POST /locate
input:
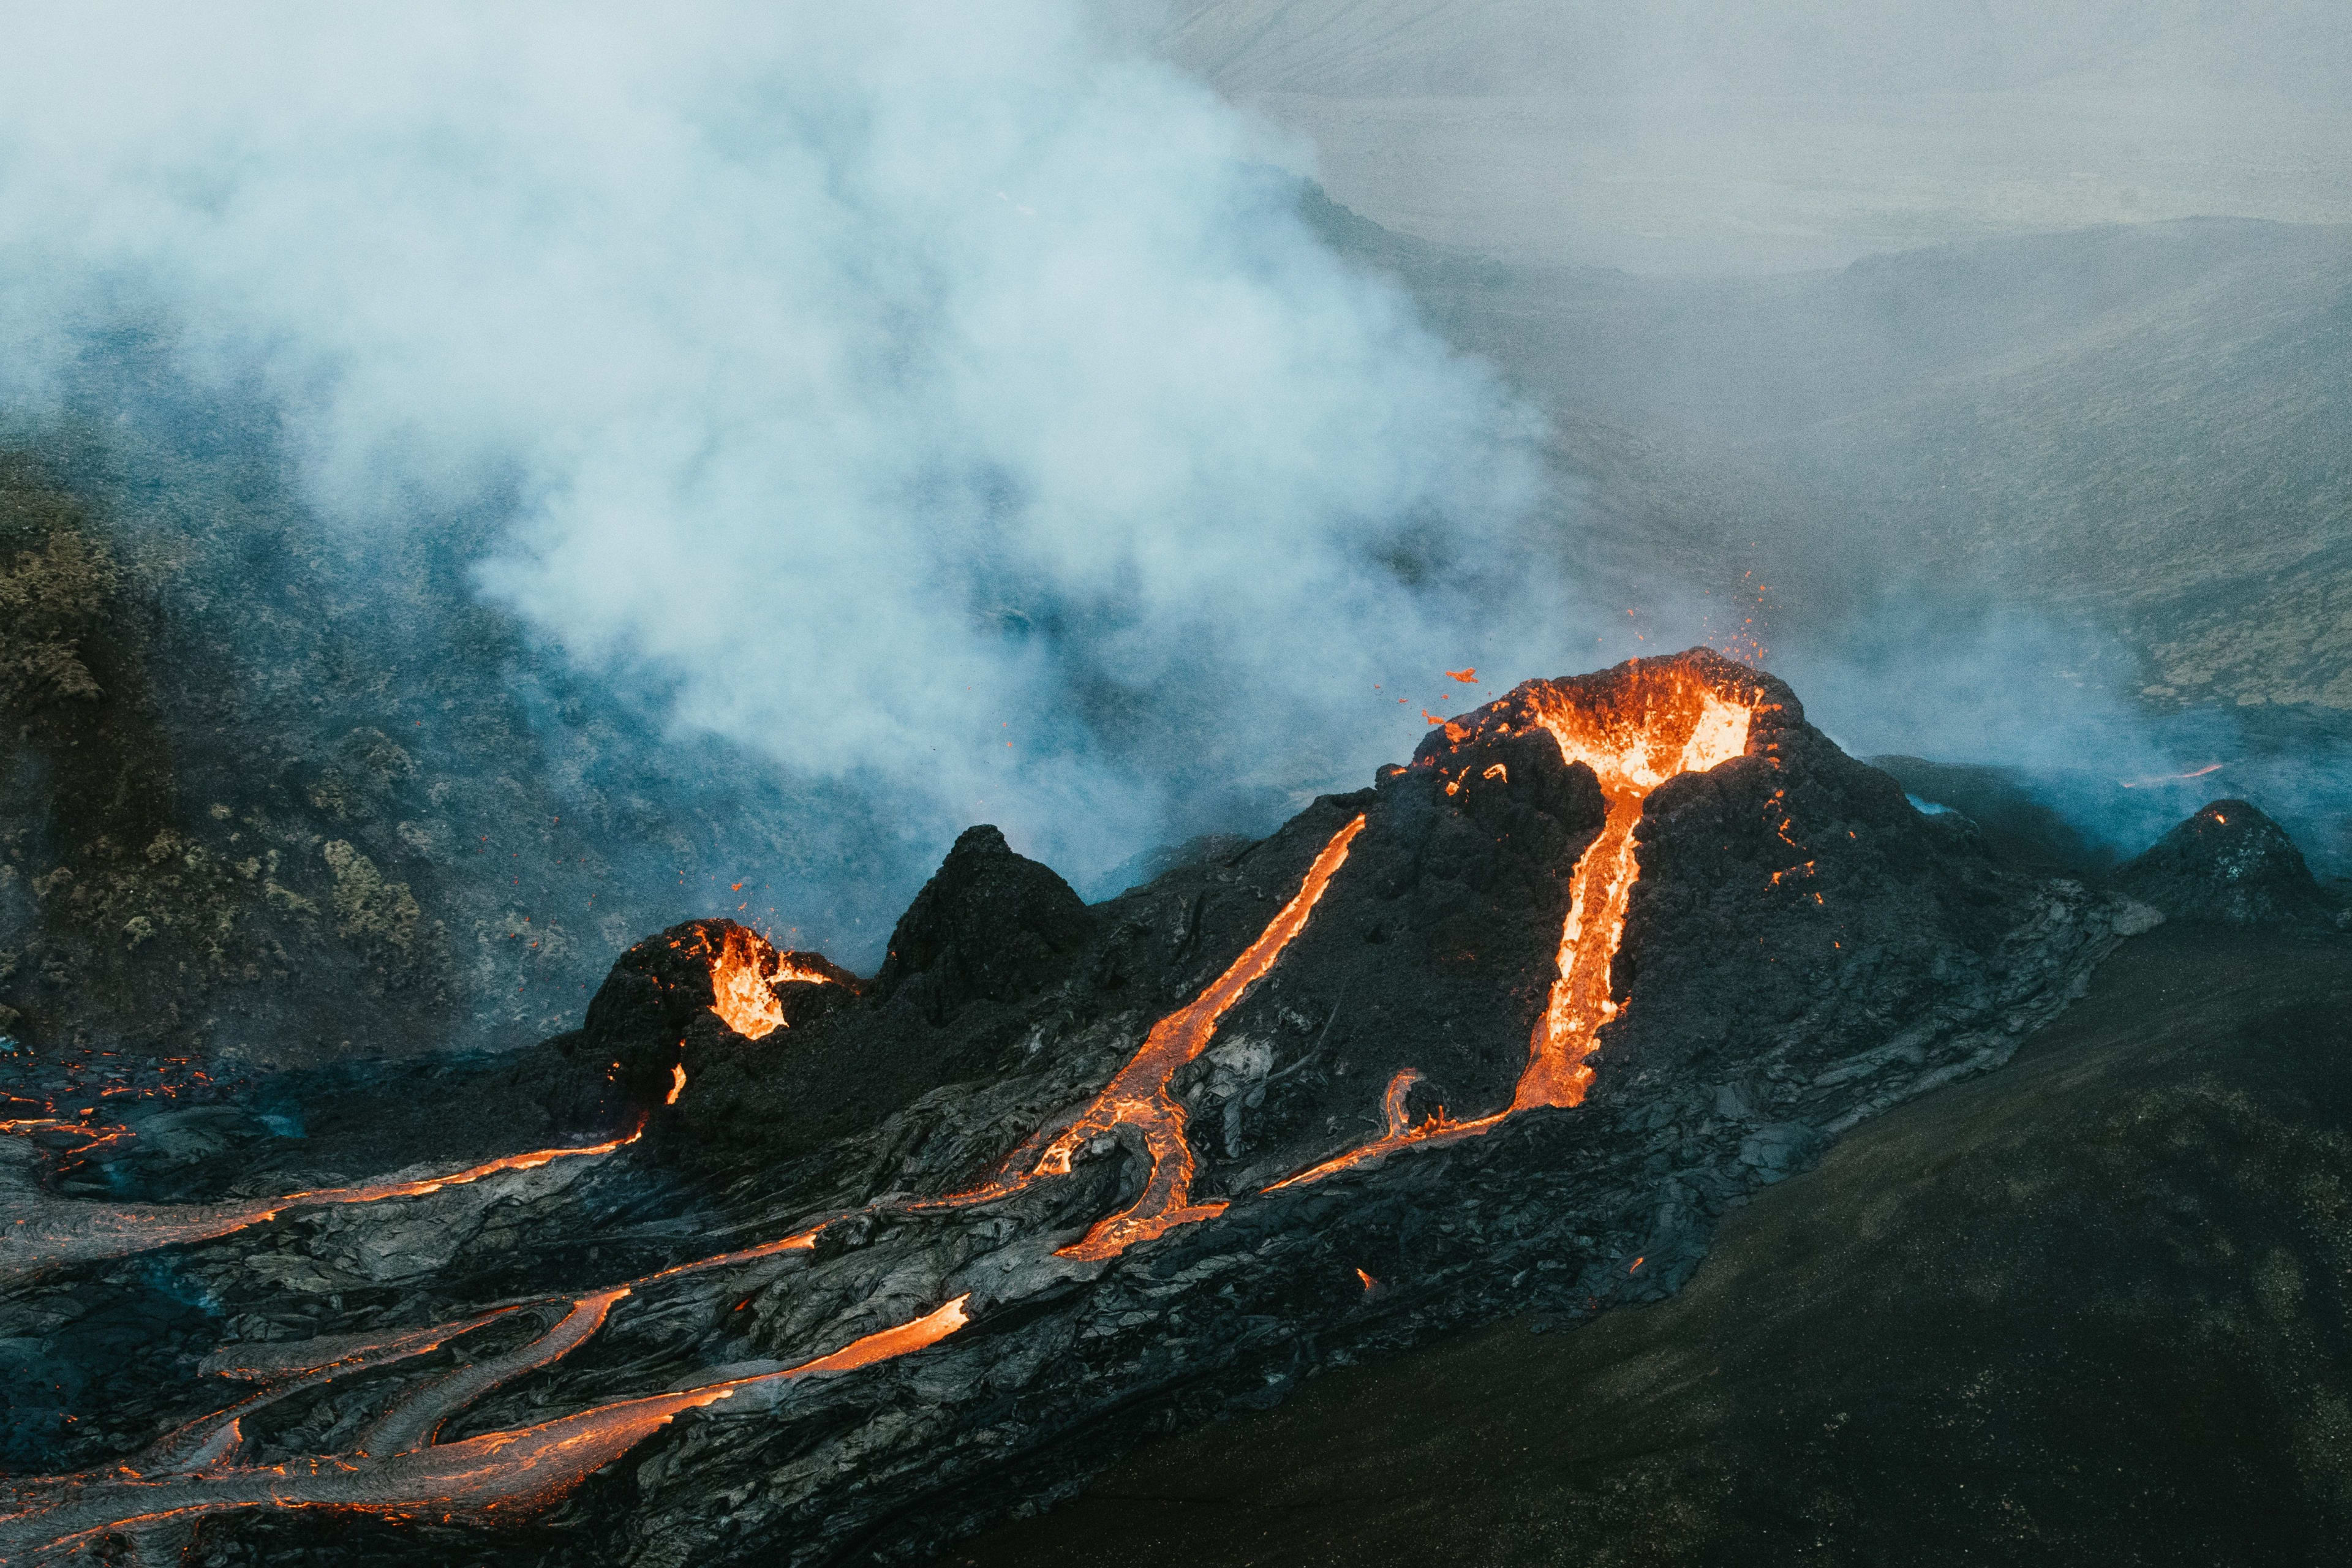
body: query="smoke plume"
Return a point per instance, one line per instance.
(945, 400)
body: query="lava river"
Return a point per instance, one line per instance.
(1634, 728)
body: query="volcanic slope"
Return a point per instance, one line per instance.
(1131, 1166)
(2093, 1309)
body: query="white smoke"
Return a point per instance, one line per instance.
(942, 395)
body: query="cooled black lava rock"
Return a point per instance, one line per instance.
(1802, 949)
(655, 1011)
(2231, 864)
(1431, 952)
(990, 925)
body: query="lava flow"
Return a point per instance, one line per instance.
(56, 1234)
(414, 1420)
(1635, 727)
(60, 1101)
(494, 1477)
(1653, 725)
(1138, 1096)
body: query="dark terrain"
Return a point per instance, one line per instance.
(2093, 1309)
(310, 865)
(1805, 950)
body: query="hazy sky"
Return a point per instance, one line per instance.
(1709, 136)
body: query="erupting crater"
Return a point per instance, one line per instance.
(1634, 727)
(1540, 896)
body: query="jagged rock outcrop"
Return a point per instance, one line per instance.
(2231, 864)
(991, 926)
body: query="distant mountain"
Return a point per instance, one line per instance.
(2148, 427)
(1693, 137)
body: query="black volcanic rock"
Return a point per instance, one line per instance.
(2231, 864)
(990, 925)
(2018, 827)
(1433, 951)
(1794, 908)
(2083, 1311)
(1801, 950)
(654, 1009)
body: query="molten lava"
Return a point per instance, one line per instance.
(1137, 1096)
(741, 992)
(1635, 728)
(496, 1476)
(1669, 722)
(744, 980)
(58, 1234)
(414, 1420)
(61, 1100)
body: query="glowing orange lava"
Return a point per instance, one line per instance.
(414, 1420)
(1635, 727)
(1674, 724)
(2170, 778)
(499, 1475)
(744, 977)
(1138, 1096)
(676, 1084)
(59, 1233)
(741, 992)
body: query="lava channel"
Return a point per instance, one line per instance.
(60, 1232)
(1138, 1095)
(496, 1477)
(1635, 727)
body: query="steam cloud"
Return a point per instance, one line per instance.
(942, 399)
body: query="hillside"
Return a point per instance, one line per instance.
(2143, 430)
(1710, 139)
(2090, 1308)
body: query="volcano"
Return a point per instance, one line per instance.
(808, 1268)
